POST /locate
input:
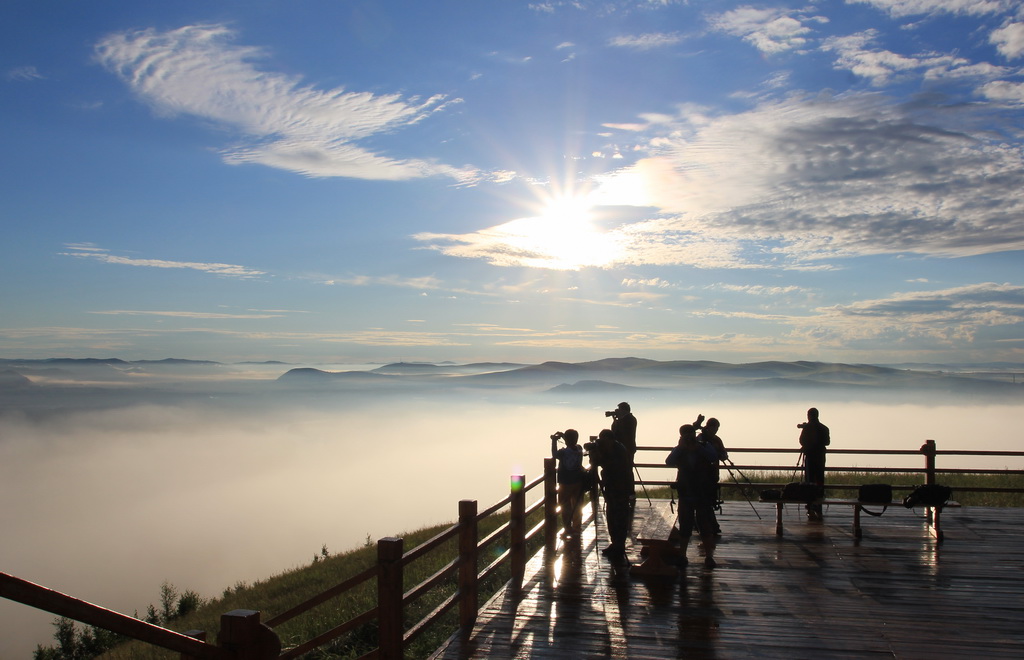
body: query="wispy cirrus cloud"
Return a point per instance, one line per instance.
(23, 73)
(759, 289)
(922, 320)
(185, 314)
(90, 251)
(941, 319)
(937, 319)
(197, 70)
(900, 8)
(648, 41)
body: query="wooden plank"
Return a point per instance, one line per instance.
(655, 535)
(819, 592)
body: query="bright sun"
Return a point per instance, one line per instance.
(563, 236)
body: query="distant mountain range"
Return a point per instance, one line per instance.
(560, 378)
(640, 373)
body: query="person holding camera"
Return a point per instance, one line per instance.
(814, 438)
(617, 487)
(695, 465)
(709, 436)
(570, 480)
(624, 428)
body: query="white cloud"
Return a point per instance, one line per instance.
(759, 289)
(87, 251)
(795, 184)
(648, 41)
(1002, 90)
(770, 30)
(900, 8)
(24, 73)
(195, 70)
(1009, 40)
(656, 282)
(802, 179)
(855, 54)
(947, 317)
(185, 315)
(523, 242)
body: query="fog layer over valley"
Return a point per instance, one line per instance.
(117, 477)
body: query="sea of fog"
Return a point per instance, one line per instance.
(107, 502)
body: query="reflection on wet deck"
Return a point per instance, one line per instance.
(816, 592)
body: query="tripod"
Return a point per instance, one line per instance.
(730, 466)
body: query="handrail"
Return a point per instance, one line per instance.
(431, 582)
(323, 597)
(55, 602)
(330, 635)
(930, 471)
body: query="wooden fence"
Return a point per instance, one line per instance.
(243, 636)
(930, 472)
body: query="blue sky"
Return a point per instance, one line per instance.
(331, 181)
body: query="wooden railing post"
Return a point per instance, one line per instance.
(550, 505)
(929, 450)
(389, 598)
(194, 634)
(595, 488)
(468, 599)
(517, 529)
(242, 634)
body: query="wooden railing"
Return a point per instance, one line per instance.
(392, 601)
(243, 635)
(930, 472)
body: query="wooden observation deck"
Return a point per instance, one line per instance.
(815, 592)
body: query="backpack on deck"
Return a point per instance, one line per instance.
(928, 495)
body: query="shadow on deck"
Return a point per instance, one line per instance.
(816, 592)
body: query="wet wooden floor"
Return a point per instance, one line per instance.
(815, 592)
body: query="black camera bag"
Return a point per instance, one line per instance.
(802, 492)
(875, 494)
(771, 495)
(928, 495)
